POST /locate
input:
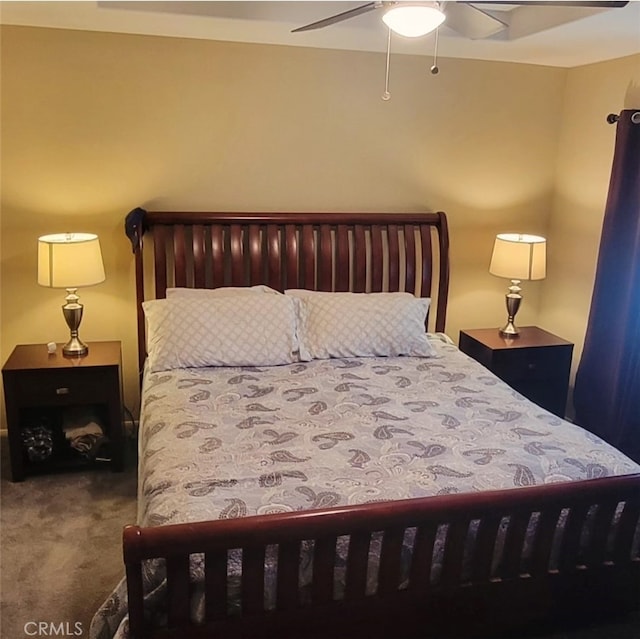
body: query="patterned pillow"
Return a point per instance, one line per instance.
(360, 324)
(244, 330)
(222, 291)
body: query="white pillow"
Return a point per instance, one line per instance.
(244, 330)
(360, 324)
(222, 291)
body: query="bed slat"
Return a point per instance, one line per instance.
(273, 251)
(390, 556)
(291, 247)
(394, 257)
(410, 252)
(215, 584)
(308, 258)
(454, 552)
(237, 257)
(324, 552)
(179, 256)
(325, 259)
(483, 550)
(360, 259)
(357, 562)
(422, 558)
(600, 532)
(342, 258)
(199, 256)
(443, 275)
(570, 543)
(287, 584)
(178, 590)
(131, 539)
(252, 580)
(627, 526)
(376, 258)
(160, 254)
(514, 544)
(545, 531)
(427, 262)
(217, 256)
(255, 255)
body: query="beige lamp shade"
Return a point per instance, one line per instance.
(69, 260)
(518, 256)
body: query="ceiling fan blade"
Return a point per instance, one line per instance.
(595, 4)
(472, 22)
(339, 17)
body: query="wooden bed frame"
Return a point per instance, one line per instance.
(584, 558)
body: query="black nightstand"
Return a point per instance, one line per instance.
(39, 387)
(536, 363)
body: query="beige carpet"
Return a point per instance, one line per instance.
(61, 553)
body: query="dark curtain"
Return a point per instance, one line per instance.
(607, 387)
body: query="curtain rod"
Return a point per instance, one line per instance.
(612, 118)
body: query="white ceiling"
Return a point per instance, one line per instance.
(553, 36)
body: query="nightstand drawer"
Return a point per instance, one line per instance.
(80, 386)
(537, 364)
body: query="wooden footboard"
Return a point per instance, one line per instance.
(476, 562)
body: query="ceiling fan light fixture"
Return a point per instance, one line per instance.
(413, 19)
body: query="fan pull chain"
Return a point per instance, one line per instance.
(386, 95)
(434, 68)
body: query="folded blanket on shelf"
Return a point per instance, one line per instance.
(83, 431)
(85, 439)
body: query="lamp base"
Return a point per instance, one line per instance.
(75, 348)
(72, 312)
(510, 330)
(513, 300)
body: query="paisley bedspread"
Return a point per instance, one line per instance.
(230, 442)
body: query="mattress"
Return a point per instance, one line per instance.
(219, 443)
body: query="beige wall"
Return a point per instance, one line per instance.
(94, 124)
(585, 155)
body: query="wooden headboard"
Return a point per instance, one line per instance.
(359, 252)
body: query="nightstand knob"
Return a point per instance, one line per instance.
(531, 366)
(62, 391)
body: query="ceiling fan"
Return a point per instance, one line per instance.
(474, 20)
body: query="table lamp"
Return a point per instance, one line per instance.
(517, 257)
(70, 260)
